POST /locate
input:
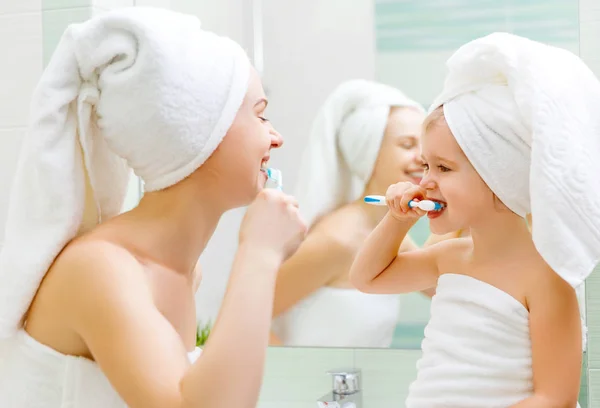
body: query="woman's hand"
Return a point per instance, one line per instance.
(273, 224)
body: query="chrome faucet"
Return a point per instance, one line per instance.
(346, 390)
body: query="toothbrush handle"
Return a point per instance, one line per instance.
(376, 200)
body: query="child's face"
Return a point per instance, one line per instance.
(450, 178)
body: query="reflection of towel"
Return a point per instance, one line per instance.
(344, 144)
(526, 116)
(138, 87)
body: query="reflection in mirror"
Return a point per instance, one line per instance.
(364, 135)
(364, 138)
(359, 137)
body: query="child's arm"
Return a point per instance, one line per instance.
(379, 266)
(555, 327)
(436, 239)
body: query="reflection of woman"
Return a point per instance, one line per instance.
(365, 138)
(114, 315)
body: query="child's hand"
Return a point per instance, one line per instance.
(397, 198)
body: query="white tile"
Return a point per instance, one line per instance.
(10, 144)
(21, 67)
(589, 39)
(55, 23)
(594, 65)
(588, 10)
(590, 15)
(112, 4)
(154, 3)
(20, 6)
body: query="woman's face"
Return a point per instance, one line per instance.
(246, 147)
(399, 155)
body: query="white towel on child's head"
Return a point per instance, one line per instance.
(138, 87)
(344, 144)
(527, 117)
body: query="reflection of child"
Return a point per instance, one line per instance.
(505, 329)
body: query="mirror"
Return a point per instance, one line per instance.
(305, 51)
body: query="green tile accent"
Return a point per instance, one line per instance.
(294, 374)
(594, 382)
(583, 388)
(592, 291)
(408, 336)
(439, 25)
(386, 374)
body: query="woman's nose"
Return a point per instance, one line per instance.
(276, 138)
(417, 158)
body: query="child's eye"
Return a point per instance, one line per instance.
(263, 119)
(443, 169)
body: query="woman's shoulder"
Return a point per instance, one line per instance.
(85, 269)
(94, 249)
(345, 227)
(89, 265)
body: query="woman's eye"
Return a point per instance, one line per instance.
(263, 119)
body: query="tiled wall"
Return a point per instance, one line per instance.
(589, 39)
(593, 322)
(297, 377)
(58, 14)
(21, 50)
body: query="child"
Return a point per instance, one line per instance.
(505, 139)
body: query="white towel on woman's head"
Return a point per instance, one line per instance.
(344, 144)
(138, 87)
(527, 116)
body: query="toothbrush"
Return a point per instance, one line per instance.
(425, 205)
(275, 177)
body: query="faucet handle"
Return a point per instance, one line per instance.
(345, 382)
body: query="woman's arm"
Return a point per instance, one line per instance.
(111, 306)
(320, 259)
(555, 327)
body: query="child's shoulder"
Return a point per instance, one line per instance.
(451, 254)
(454, 247)
(543, 282)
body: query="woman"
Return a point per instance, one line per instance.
(113, 315)
(365, 138)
